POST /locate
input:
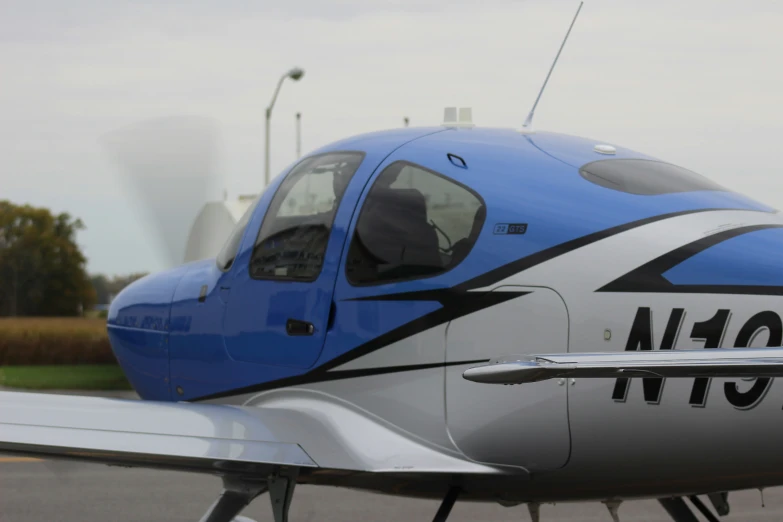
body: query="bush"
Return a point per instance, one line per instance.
(51, 341)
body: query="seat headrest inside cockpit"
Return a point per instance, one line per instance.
(395, 230)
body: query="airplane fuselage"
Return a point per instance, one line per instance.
(541, 245)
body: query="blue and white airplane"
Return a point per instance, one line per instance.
(357, 326)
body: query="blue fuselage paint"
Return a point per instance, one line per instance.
(234, 338)
(753, 259)
(138, 324)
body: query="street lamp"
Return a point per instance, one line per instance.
(295, 74)
(298, 135)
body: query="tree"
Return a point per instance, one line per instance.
(118, 282)
(106, 289)
(101, 286)
(42, 269)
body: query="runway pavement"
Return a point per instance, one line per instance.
(32, 491)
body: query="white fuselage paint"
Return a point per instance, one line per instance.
(572, 431)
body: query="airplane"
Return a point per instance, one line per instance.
(457, 313)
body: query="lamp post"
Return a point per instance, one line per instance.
(298, 135)
(295, 74)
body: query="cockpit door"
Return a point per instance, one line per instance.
(525, 425)
(281, 295)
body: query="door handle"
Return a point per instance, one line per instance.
(296, 327)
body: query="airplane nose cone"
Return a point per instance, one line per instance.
(138, 326)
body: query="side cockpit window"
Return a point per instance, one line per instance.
(414, 223)
(644, 177)
(229, 251)
(293, 237)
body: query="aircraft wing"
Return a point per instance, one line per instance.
(302, 431)
(719, 362)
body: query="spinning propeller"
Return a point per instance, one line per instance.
(170, 166)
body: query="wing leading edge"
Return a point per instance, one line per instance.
(140, 433)
(718, 362)
(296, 429)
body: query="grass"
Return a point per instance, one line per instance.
(58, 353)
(65, 377)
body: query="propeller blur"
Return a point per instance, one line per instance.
(170, 167)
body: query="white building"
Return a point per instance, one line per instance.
(212, 226)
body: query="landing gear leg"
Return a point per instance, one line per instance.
(535, 511)
(678, 509)
(720, 501)
(236, 495)
(447, 504)
(281, 491)
(613, 506)
(696, 501)
(680, 512)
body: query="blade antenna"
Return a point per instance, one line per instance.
(529, 119)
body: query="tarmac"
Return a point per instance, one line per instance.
(32, 490)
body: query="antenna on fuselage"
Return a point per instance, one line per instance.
(529, 119)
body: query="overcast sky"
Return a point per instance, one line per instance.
(697, 83)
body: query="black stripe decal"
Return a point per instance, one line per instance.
(458, 306)
(313, 377)
(649, 277)
(457, 301)
(455, 305)
(502, 272)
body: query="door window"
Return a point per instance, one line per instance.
(414, 223)
(293, 237)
